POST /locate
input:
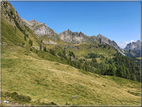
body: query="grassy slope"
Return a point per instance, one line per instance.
(84, 50)
(25, 73)
(16, 38)
(54, 82)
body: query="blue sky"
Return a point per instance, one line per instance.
(118, 21)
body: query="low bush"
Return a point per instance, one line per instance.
(18, 98)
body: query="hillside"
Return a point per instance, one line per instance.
(40, 68)
(47, 81)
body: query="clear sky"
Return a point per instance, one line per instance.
(118, 21)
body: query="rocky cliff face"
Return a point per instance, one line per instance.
(11, 15)
(134, 45)
(40, 29)
(73, 37)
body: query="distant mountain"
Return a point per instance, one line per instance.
(133, 49)
(77, 38)
(73, 37)
(104, 40)
(134, 45)
(40, 29)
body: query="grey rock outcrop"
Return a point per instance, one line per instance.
(93, 39)
(73, 37)
(40, 29)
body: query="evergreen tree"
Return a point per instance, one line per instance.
(25, 38)
(30, 42)
(114, 69)
(40, 47)
(45, 49)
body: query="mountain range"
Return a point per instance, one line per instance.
(41, 29)
(68, 36)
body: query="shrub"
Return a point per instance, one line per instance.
(25, 38)
(18, 98)
(52, 52)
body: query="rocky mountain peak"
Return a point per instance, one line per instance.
(101, 37)
(103, 40)
(67, 32)
(81, 34)
(134, 45)
(40, 29)
(34, 20)
(72, 37)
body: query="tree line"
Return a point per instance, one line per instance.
(119, 65)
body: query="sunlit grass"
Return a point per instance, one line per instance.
(49, 81)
